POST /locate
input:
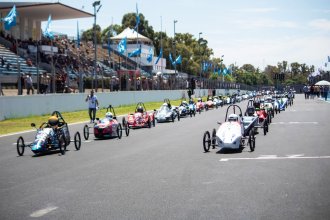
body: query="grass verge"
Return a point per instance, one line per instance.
(22, 124)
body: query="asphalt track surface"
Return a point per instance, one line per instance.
(163, 173)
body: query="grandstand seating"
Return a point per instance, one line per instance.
(12, 59)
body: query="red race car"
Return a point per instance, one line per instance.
(107, 127)
(141, 118)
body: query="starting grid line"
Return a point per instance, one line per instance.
(274, 157)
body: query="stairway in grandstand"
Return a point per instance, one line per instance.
(10, 75)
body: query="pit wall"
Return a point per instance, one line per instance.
(23, 106)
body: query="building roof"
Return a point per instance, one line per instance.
(41, 10)
(128, 32)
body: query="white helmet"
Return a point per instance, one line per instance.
(233, 117)
(108, 115)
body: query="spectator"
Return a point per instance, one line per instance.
(44, 81)
(305, 89)
(326, 90)
(29, 84)
(92, 105)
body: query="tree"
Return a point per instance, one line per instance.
(129, 20)
(89, 34)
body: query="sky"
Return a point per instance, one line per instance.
(257, 32)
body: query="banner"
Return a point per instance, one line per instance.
(122, 45)
(160, 55)
(48, 32)
(10, 19)
(136, 52)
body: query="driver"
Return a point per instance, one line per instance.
(140, 109)
(53, 122)
(233, 118)
(109, 116)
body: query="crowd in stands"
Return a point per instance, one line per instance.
(71, 62)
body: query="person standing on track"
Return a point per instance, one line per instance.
(92, 105)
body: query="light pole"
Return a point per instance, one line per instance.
(96, 3)
(199, 50)
(174, 42)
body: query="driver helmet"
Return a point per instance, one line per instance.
(250, 110)
(53, 121)
(199, 99)
(233, 117)
(184, 102)
(140, 109)
(108, 115)
(256, 104)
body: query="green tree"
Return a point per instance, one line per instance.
(89, 34)
(129, 20)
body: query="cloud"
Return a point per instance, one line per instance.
(321, 24)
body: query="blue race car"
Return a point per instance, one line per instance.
(51, 135)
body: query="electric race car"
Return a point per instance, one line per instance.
(140, 118)
(166, 112)
(200, 105)
(108, 127)
(51, 135)
(235, 132)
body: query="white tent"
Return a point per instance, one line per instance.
(131, 36)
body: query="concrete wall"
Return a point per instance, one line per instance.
(22, 106)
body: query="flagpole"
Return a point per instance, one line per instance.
(53, 70)
(161, 42)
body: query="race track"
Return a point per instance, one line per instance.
(163, 173)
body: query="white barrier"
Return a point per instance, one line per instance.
(22, 106)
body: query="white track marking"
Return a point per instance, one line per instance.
(42, 212)
(295, 123)
(274, 157)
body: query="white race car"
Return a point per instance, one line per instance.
(233, 133)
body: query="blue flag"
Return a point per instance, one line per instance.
(136, 52)
(10, 19)
(122, 45)
(171, 59)
(178, 60)
(225, 71)
(149, 57)
(160, 55)
(78, 37)
(137, 18)
(48, 32)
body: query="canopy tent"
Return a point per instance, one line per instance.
(131, 36)
(322, 83)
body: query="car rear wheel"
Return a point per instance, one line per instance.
(206, 141)
(20, 146)
(126, 127)
(119, 131)
(252, 140)
(265, 127)
(86, 132)
(77, 141)
(62, 145)
(214, 135)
